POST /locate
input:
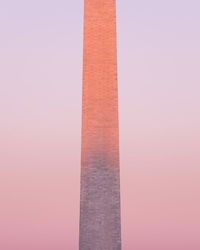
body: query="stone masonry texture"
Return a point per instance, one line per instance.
(100, 226)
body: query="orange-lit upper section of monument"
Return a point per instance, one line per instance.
(100, 94)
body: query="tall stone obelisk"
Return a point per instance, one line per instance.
(100, 227)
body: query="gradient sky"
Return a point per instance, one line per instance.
(40, 123)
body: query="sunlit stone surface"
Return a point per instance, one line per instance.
(100, 227)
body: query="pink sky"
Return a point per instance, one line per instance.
(40, 124)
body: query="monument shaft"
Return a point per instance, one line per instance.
(100, 227)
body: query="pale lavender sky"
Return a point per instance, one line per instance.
(40, 106)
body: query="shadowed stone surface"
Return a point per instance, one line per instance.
(100, 227)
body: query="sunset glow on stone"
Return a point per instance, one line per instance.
(100, 186)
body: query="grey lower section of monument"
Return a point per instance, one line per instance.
(100, 227)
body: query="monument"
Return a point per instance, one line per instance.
(100, 223)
